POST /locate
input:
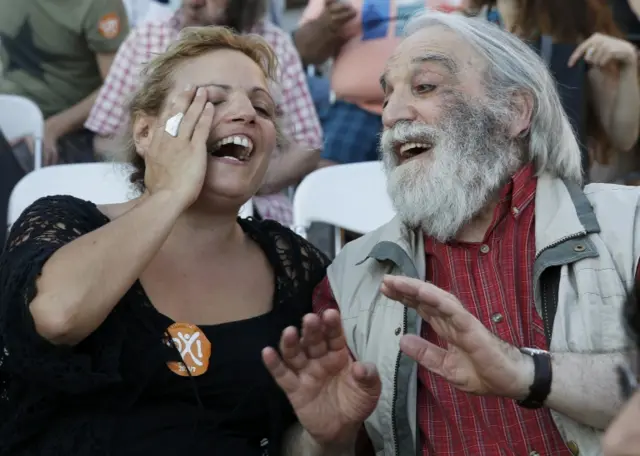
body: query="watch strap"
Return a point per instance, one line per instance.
(542, 378)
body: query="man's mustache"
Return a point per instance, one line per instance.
(404, 132)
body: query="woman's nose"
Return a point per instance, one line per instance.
(242, 110)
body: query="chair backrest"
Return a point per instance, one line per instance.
(101, 183)
(20, 116)
(353, 197)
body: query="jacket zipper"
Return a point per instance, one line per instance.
(395, 388)
(544, 292)
(545, 315)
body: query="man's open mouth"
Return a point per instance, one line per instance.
(413, 149)
(236, 147)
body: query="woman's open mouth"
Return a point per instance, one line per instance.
(237, 148)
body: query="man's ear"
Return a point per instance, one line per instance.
(522, 108)
(143, 131)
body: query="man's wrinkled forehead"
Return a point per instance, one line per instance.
(436, 47)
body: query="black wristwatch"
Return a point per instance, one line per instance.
(541, 386)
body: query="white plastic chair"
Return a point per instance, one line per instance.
(352, 197)
(101, 183)
(19, 117)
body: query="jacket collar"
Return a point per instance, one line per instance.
(562, 212)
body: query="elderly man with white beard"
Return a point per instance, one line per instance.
(484, 319)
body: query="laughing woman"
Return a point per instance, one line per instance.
(136, 328)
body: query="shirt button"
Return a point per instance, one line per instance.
(398, 330)
(484, 248)
(497, 317)
(534, 453)
(515, 210)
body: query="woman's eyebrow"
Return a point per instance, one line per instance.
(228, 88)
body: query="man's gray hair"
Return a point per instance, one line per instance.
(512, 66)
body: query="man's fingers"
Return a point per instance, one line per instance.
(424, 353)
(283, 376)
(398, 286)
(313, 339)
(334, 334)
(423, 296)
(290, 348)
(412, 292)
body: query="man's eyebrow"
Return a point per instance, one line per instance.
(441, 59)
(430, 57)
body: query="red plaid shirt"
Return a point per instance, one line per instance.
(109, 113)
(494, 281)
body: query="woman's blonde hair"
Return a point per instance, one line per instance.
(157, 77)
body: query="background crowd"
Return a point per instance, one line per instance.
(80, 65)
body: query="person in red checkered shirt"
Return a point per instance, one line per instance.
(301, 125)
(484, 319)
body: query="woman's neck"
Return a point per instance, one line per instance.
(203, 232)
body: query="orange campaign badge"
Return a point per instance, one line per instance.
(109, 25)
(194, 348)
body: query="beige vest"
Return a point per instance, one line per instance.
(593, 236)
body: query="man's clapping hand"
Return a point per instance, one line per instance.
(330, 393)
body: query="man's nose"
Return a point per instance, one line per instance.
(397, 108)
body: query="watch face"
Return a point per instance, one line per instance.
(534, 351)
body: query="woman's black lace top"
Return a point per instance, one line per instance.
(58, 400)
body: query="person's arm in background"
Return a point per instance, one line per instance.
(108, 115)
(302, 127)
(319, 37)
(105, 27)
(613, 81)
(635, 7)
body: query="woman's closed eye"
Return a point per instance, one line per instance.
(264, 110)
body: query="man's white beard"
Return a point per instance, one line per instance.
(471, 159)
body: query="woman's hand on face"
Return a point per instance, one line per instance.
(179, 164)
(599, 50)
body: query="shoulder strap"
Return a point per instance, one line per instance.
(549, 282)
